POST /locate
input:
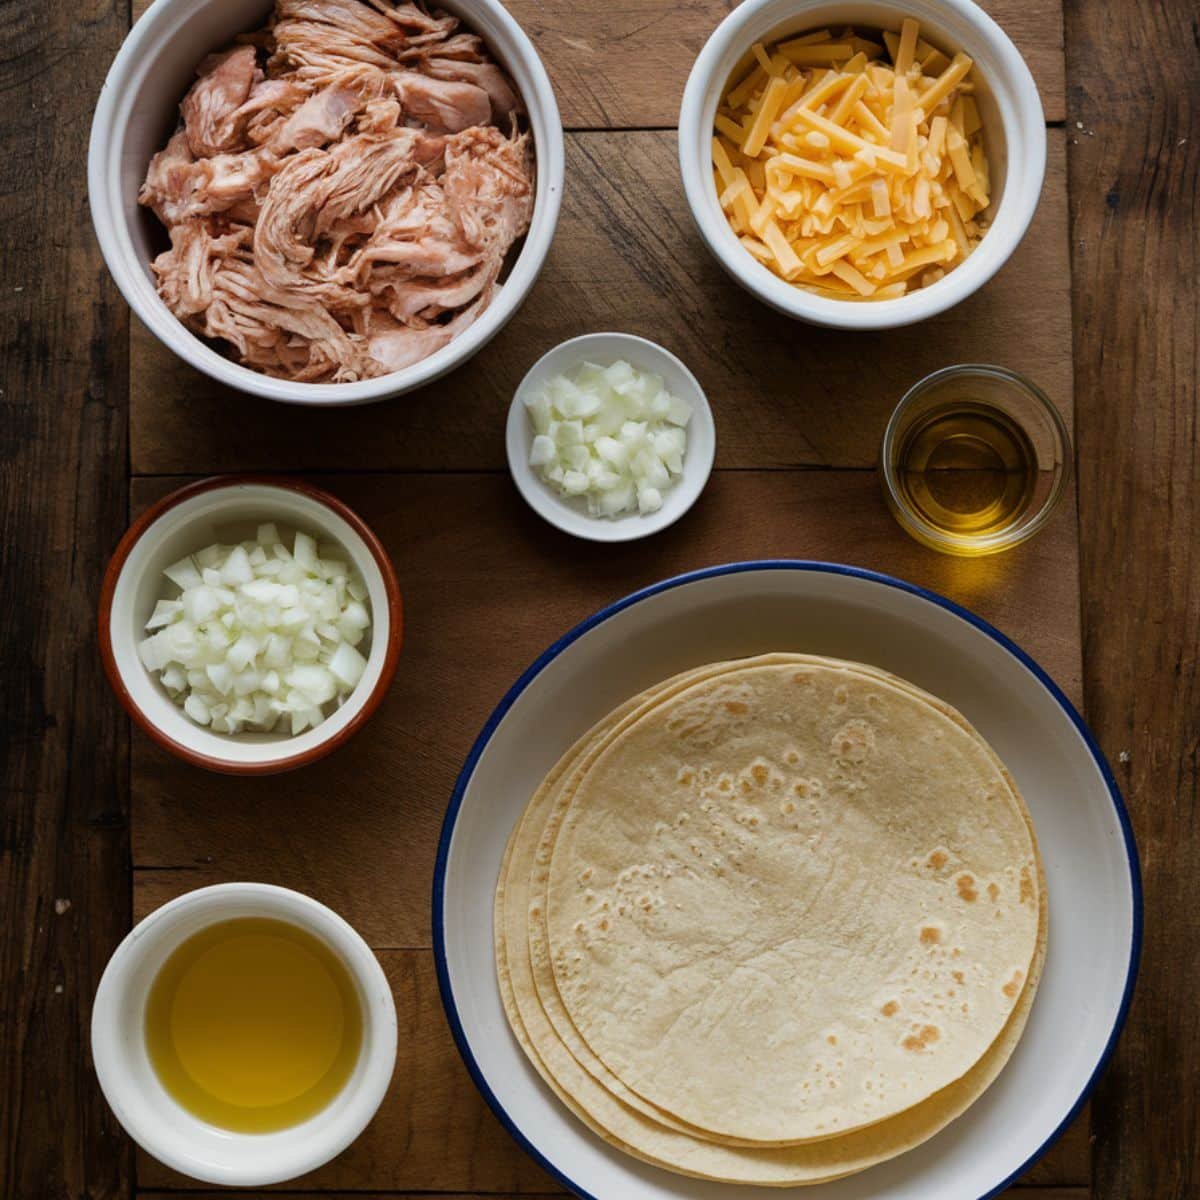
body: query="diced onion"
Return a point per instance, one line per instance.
(613, 435)
(260, 637)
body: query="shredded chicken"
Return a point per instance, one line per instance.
(344, 190)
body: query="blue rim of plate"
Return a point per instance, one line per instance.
(781, 564)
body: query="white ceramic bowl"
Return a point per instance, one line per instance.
(1014, 132)
(138, 109)
(740, 609)
(569, 513)
(227, 509)
(166, 1130)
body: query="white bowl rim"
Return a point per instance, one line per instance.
(958, 284)
(111, 233)
(548, 505)
(378, 1004)
(552, 652)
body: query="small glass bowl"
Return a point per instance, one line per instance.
(1006, 399)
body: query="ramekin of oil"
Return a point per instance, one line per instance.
(974, 460)
(244, 1034)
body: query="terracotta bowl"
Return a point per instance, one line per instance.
(227, 508)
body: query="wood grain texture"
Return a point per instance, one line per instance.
(64, 852)
(435, 1133)
(471, 558)
(1135, 179)
(627, 256)
(625, 65)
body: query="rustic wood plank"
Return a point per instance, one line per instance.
(434, 1131)
(624, 66)
(368, 851)
(627, 256)
(64, 850)
(1135, 179)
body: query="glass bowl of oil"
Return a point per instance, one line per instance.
(975, 459)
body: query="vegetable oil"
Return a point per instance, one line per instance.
(253, 1025)
(968, 469)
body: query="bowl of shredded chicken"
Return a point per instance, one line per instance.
(354, 196)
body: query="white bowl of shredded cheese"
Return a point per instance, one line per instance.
(1013, 130)
(610, 437)
(239, 690)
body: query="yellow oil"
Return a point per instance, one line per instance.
(967, 469)
(253, 1025)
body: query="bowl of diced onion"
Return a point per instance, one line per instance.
(796, 238)
(610, 437)
(250, 624)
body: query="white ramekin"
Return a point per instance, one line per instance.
(224, 508)
(161, 1126)
(139, 107)
(1014, 129)
(569, 513)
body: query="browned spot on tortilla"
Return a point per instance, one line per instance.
(923, 1037)
(930, 935)
(759, 773)
(993, 892)
(959, 977)
(832, 1040)
(800, 787)
(890, 1009)
(1013, 986)
(966, 888)
(938, 859)
(685, 777)
(1027, 896)
(735, 706)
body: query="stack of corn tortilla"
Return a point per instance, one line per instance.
(772, 921)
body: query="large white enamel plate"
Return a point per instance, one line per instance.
(748, 608)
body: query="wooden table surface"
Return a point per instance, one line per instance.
(99, 827)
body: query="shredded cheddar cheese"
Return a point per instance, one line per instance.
(853, 169)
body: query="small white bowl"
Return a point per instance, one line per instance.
(169, 1132)
(1014, 131)
(139, 107)
(227, 508)
(569, 513)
